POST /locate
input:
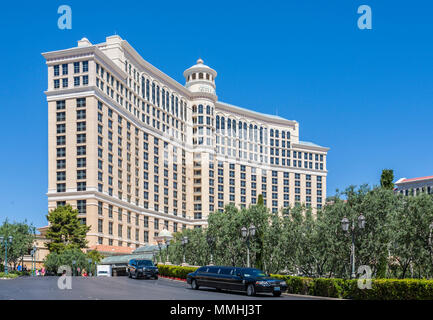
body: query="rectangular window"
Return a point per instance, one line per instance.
(81, 102)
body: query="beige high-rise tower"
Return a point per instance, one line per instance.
(135, 151)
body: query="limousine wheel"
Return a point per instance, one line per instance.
(251, 290)
(194, 285)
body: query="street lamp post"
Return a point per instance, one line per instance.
(167, 242)
(5, 241)
(184, 243)
(247, 233)
(160, 254)
(211, 242)
(73, 266)
(33, 253)
(345, 226)
(90, 266)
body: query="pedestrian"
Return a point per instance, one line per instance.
(43, 271)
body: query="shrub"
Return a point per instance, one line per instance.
(381, 289)
(10, 275)
(175, 271)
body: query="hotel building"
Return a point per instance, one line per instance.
(414, 186)
(136, 152)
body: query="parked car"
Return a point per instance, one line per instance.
(103, 270)
(248, 280)
(142, 269)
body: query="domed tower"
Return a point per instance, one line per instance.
(200, 80)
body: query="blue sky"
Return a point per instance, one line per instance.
(366, 94)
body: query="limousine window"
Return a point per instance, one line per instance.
(226, 271)
(254, 273)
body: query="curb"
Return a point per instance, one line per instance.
(173, 278)
(285, 294)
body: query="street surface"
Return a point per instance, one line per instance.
(118, 288)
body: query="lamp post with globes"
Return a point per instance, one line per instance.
(5, 241)
(247, 234)
(184, 242)
(211, 241)
(345, 226)
(167, 243)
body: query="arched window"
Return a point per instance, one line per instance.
(255, 133)
(240, 129)
(194, 108)
(147, 89)
(163, 98)
(272, 132)
(251, 132)
(193, 76)
(277, 133)
(208, 109)
(234, 128)
(217, 122)
(200, 108)
(200, 75)
(261, 134)
(207, 76)
(283, 134)
(167, 101)
(223, 124)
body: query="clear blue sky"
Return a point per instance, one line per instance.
(366, 94)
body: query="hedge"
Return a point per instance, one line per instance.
(10, 275)
(381, 289)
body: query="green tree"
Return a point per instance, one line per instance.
(54, 260)
(386, 179)
(22, 239)
(65, 231)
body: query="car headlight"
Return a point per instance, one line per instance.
(262, 283)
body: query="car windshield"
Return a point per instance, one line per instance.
(144, 263)
(254, 273)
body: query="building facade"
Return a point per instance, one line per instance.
(135, 151)
(414, 186)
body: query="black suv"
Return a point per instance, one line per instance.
(142, 269)
(248, 280)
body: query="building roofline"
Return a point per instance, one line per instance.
(405, 180)
(255, 114)
(309, 146)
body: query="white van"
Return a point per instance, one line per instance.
(103, 270)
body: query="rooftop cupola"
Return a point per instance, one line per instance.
(200, 78)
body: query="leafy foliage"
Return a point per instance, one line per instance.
(395, 243)
(66, 230)
(22, 240)
(386, 179)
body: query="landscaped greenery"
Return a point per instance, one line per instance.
(394, 244)
(381, 289)
(22, 239)
(67, 239)
(9, 275)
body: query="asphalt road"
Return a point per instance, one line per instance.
(117, 288)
